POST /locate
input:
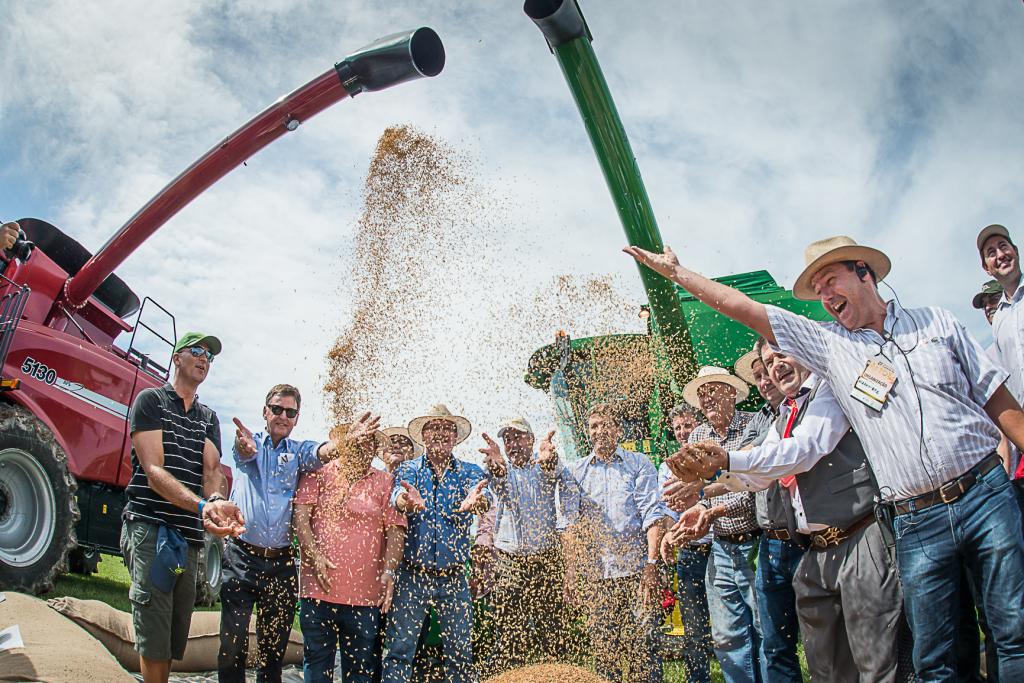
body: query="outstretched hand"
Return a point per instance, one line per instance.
(492, 457)
(664, 264)
(223, 518)
(362, 428)
(476, 501)
(9, 234)
(244, 443)
(547, 456)
(410, 500)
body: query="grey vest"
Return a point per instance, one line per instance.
(840, 489)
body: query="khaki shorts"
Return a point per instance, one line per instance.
(161, 619)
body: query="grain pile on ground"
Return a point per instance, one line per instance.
(547, 673)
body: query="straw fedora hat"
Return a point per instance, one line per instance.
(417, 448)
(338, 433)
(825, 252)
(439, 412)
(744, 367)
(709, 374)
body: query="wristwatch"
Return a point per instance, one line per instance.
(214, 498)
(651, 562)
(389, 572)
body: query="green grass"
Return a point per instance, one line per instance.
(109, 585)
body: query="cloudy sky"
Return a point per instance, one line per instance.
(758, 127)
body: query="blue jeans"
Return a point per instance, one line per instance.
(735, 624)
(325, 626)
(691, 568)
(414, 592)
(980, 532)
(776, 565)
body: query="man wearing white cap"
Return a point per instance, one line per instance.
(923, 396)
(440, 493)
(528, 561)
(735, 622)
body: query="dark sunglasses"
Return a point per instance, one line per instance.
(199, 352)
(277, 410)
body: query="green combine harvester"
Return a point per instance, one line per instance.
(643, 374)
(632, 370)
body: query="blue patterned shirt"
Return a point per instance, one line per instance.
(438, 537)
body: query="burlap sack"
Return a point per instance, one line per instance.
(56, 649)
(114, 629)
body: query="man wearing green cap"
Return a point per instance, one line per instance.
(988, 299)
(175, 492)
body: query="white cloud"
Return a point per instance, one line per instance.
(758, 128)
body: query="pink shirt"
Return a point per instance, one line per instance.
(348, 523)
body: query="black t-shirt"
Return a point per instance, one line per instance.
(184, 435)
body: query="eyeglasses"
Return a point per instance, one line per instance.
(277, 410)
(199, 352)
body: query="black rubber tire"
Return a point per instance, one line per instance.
(210, 571)
(83, 560)
(24, 437)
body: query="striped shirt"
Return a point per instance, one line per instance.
(1007, 328)
(740, 517)
(184, 435)
(933, 427)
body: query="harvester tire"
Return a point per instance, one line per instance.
(38, 510)
(84, 561)
(210, 572)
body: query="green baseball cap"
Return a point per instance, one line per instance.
(193, 338)
(990, 287)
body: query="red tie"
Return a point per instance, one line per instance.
(790, 481)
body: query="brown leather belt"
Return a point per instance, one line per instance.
(833, 536)
(951, 490)
(736, 539)
(266, 553)
(778, 534)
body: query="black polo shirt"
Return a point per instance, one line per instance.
(184, 434)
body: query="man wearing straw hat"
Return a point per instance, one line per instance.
(400, 448)
(528, 568)
(928, 405)
(440, 494)
(735, 621)
(351, 539)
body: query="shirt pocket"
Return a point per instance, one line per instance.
(934, 364)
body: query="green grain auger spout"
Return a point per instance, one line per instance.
(568, 37)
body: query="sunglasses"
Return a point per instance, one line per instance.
(199, 352)
(277, 410)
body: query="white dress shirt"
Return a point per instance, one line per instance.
(933, 427)
(821, 428)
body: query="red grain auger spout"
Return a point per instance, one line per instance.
(386, 62)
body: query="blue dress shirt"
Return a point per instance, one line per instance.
(264, 484)
(622, 499)
(438, 537)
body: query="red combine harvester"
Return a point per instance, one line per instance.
(66, 387)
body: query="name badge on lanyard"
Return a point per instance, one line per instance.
(874, 383)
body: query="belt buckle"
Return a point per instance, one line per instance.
(824, 539)
(957, 490)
